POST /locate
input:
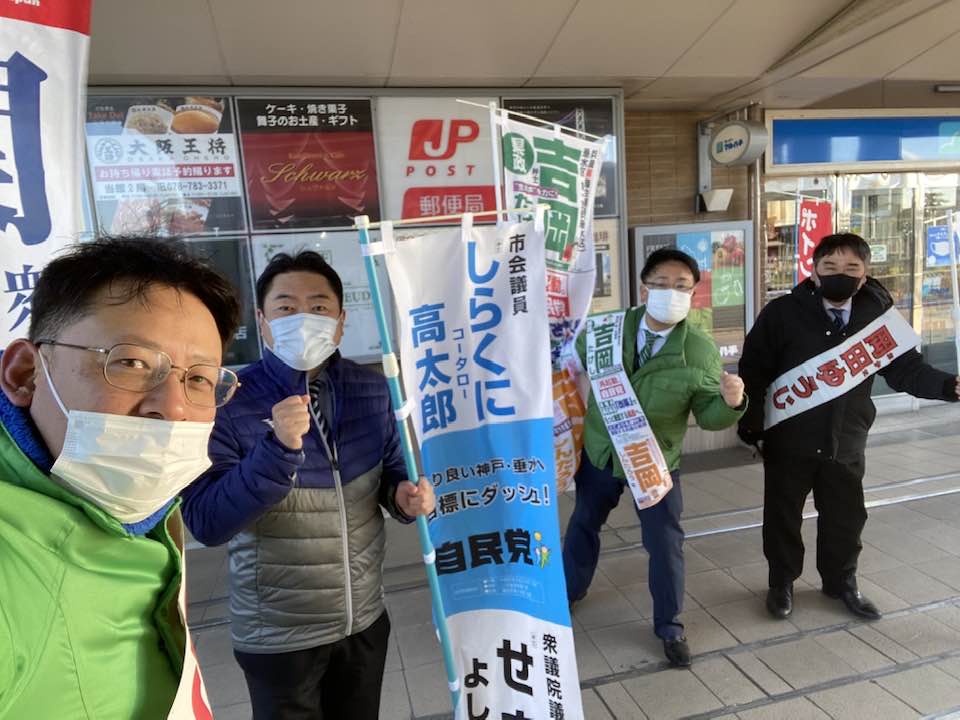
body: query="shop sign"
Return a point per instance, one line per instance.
(737, 143)
(308, 163)
(814, 224)
(435, 157)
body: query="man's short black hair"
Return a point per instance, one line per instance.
(129, 266)
(842, 241)
(664, 255)
(303, 261)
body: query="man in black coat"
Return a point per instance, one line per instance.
(822, 448)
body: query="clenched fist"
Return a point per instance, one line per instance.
(731, 388)
(291, 420)
(416, 499)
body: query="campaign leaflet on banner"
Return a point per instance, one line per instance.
(546, 167)
(44, 70)
(467, 299)
(586, 115)
(308, 163)
(814, 222)
(643, 463)
(164, 165)
(361, 340)
(838, 370)
(435, 157)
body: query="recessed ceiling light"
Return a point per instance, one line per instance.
(952, 88)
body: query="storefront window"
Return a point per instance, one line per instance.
(783, 200)
(936, 321)
(881, 209)
(231, 256)
(903, 217)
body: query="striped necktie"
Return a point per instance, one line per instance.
(838, 322)
(316, 388)
(646, 352)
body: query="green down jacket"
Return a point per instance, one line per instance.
(89, 624)
(683, 376)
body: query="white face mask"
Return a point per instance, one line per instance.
(128, 466)
(668, 306)
(304, 341)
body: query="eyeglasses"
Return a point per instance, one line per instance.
(679, 287)
(133, 367)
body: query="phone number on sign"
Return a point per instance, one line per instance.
(184, 188)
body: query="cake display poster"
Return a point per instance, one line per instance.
(308, 163)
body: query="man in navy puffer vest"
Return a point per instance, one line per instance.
(303, 459)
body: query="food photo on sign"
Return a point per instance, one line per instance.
(164, 166)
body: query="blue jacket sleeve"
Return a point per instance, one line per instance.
(238, 489)
(394, 467)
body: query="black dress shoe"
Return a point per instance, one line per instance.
(677, 652)
(780, 601)
(856, 603)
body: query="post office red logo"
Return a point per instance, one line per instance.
(439, 139)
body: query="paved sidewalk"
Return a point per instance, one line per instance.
(822, 663)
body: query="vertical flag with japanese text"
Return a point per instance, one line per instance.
(548, 166)
(814, 223)
(43, 77)
(475, 349)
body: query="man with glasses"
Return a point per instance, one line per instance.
(303, 460)
(675, 369)
(106, 412)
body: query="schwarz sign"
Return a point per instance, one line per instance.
(737, 142)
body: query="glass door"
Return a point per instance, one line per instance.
(939, 196)
(781, 205)
(903, 217)
(882, 209)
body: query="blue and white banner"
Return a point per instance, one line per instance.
(475, 349)
(43, 77)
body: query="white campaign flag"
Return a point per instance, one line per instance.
(474, 345)
(43, 77)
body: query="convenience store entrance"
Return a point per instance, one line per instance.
(903, 217)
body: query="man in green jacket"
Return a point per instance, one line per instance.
(674, 368)
(105, 415)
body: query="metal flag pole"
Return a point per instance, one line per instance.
(951, 229)
(391, 368)
(495, 147)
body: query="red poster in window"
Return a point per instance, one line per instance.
(815, 223)
(308, 163)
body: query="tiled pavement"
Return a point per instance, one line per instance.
(821, 663)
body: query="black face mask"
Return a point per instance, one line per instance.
(839, 287)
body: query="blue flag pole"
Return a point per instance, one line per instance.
(391, 369)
